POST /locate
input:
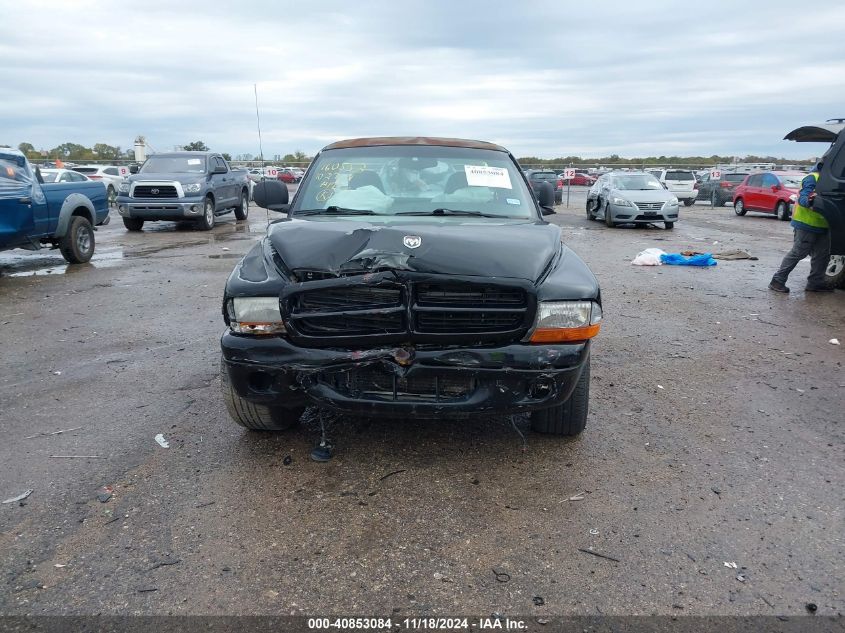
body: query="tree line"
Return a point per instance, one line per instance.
(615, 159)
(103, 151)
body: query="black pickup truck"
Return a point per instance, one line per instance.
(411, 276)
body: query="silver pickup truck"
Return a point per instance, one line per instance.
(193, 186)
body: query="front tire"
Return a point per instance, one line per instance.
(256, 417)
(77, 245)
(739, 207)
(590, 215)
(242, 211)
(782, 211)
(608, 220)
(133, 224)
(569, 418)
(206, 222)
(668, 225)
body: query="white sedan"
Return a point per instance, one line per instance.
(62, 175)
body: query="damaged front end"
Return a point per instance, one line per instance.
(385, 332)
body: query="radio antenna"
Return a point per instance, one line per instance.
(260, 145)
(258, 121)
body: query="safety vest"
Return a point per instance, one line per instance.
(807, 216)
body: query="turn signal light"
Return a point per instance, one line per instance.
(565, 335)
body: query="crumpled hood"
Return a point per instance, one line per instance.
(452, 247)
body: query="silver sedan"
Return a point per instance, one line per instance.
(631, 197)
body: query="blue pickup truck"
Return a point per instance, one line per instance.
(35, 214)
(193, 186)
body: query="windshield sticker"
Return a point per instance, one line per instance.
(481, 176)
(194, 161)
(514, 201)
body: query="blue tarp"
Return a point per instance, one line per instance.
(676, 259)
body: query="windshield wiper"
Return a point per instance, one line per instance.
(442, 211)
(334, 210)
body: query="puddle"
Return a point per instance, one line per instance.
(49, 262)
(51, 265)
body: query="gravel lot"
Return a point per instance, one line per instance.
(715, 436)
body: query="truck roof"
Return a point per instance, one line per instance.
(376, 141)
(11, 151)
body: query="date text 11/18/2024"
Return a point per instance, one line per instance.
(416, 624)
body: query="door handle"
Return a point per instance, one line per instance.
(26, 200)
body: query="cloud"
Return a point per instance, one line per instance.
(545, 79)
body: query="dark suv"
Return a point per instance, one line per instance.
(536, 176)
(721, 190)
(411, 277)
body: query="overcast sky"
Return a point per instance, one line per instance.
(542, 78)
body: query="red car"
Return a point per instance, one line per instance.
(768, 192)
(585, 180)
(287, 176)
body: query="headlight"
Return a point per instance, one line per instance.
(123, 187)
(255, 315)
(793, 198)
(192, 188)
(566, 321)
(619, 202)
(673, 202)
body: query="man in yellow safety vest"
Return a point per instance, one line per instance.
(812, 238)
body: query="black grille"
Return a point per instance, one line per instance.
(376, 382)
(422, 311)
(456, 295)
(351, 325)
(353, 297)
(154, 191)
(470, 322)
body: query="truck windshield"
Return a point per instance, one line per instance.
(173, 165)
(416, 180)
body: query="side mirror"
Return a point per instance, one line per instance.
(272, 195)
(133, 169)
(546, 198)
(775, 188)
(219, 169)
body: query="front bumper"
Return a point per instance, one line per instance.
(160, 209)
(434, 382)
(634, 215)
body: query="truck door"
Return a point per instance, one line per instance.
(23, 206)
(224, 183)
